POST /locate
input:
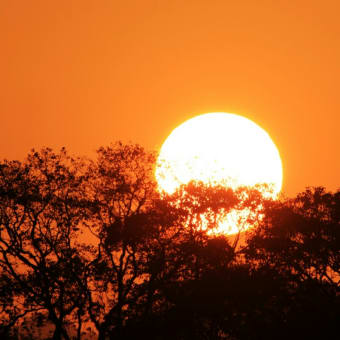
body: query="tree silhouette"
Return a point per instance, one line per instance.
(41, 210)
(121, 187)
(92, 243)
(183, 261)
(300, 240)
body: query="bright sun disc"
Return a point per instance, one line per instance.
(219, 148)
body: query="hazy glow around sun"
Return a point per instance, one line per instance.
(219, 148)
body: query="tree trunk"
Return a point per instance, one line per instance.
(59, 332)
(101, 334)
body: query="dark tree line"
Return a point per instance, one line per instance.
(91, 247)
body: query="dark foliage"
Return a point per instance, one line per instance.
(91, 247)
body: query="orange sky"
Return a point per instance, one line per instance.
(82, 74)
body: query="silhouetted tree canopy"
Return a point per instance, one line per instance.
(90, 248)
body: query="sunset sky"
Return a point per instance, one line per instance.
(83, 74)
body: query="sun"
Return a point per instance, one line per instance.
(219, 148)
